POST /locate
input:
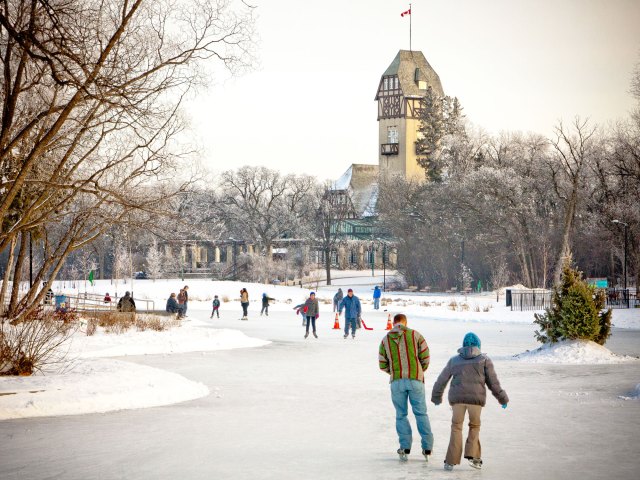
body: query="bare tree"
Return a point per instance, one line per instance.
(90, 109)
(573, 152)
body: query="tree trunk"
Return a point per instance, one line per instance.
(327, 264)
(7, 275)
(17, 274)
(565, 248)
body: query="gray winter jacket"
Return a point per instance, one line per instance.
(313, 309)
(471, 370)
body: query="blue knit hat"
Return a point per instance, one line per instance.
(471, 340)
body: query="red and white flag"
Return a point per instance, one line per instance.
(408, 12)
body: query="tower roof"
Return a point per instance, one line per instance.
(412, 68)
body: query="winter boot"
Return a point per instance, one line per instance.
(403, 452)
(475, 463)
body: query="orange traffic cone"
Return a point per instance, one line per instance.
(336, 325)
(389, 326)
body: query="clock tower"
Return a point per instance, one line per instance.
(401, 87)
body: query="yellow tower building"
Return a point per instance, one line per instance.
(401, 87)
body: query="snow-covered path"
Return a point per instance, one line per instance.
(320, 409)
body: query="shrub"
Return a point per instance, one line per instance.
(452, 305)
(36, 343)
(576, 312)
(156, 322)
(116, 322)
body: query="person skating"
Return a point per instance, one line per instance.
(216, 307)
(471, 371)
(244, 302)
(404, 355)
(377, 293)
(353, 310)
(265, 304)
(299, 310)
(337, 298)
(311, 310)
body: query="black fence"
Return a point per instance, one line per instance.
(621, 298)
(523, 300)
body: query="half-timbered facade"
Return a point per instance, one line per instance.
(400, 90)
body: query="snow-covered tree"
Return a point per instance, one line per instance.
(155, 261)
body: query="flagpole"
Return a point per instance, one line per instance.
(410, 15)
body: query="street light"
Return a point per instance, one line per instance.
(625, 250)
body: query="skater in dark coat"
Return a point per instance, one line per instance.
(216, 307)
(471, 370)
(337, 298)
(265, 304)
(172, 304)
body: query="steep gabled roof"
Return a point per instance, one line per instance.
(411, 66)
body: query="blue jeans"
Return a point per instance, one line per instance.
(352, 322)
(376, 303)
(413, 390)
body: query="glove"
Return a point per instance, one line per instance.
(317, 316)
(504, 406)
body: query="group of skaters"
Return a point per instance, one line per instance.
(404, 355)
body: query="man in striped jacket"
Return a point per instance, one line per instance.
(404, 355)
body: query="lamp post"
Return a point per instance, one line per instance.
(625, 251)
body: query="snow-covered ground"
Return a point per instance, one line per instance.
(319, 408)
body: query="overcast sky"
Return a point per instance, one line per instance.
(309, 105)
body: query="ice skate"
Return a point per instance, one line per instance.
(425, 454)
(315, 335)
(475, 463)
(345, 336)
(448, 467)
(306, 335)
(402, 453)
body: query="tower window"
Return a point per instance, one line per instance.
(392, 134)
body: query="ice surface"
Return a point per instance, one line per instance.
(321, 409)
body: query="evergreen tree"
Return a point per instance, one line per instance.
(439, 117)
(575, 313)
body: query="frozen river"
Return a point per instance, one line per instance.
(320, 409)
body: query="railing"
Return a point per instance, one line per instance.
(389, 149)
(621, 298)
(523, 300)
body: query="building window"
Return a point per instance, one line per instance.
(392, 134)
(397, 83)
(386, 84)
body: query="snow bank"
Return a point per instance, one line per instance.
(94, 385)
(186, 338)
(573, 352)
(635, 395)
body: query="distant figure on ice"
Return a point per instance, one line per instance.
(216, 307)
(311, 310)
(265, 304)
(244, 301)
(107, 298)
(173, 306)
(299, 310)
(337, 298)
(352, 311)
(126, 303)
(404, 355)
(183, 299)
(377, 293)
(471, 371)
